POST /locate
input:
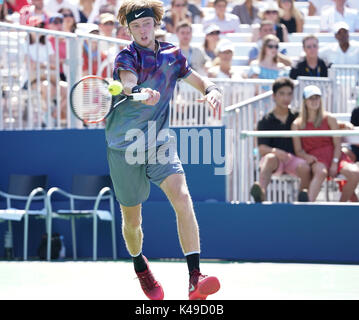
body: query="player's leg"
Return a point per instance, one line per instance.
(132, 187)
(175, 188)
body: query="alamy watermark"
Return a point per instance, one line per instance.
(194, 146)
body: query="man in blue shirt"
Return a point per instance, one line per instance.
(154, 67)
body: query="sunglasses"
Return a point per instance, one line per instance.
(273, 46)
(271, 12)
(312, 46)
(68, 15)
(56, 21)
(214, 33)
(180, 5)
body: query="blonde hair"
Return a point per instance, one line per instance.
(266, 40)
(128, 6)
(303, 116)
(294, 12)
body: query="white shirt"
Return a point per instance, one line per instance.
(353, 4)
(320, 5)
(52, 6)
(334, 54)
(228, 25)
(330, 16)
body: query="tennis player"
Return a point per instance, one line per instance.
(154, 67)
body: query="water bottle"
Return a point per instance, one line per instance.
(8, 246)
(62, 254)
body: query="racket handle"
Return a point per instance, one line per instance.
(140, 96)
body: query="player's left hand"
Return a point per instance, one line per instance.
(214, 98)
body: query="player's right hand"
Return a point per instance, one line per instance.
(154, 96)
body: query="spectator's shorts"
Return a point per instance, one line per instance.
(131, 181)
(288, 167)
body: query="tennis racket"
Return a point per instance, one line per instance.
(92, 102)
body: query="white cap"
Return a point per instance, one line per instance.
(269, 6)
(86, 27)
(225, 45)
(340, 25)
(211, 28)
(310, 91)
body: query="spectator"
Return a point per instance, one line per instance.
(103, 6)
(3, 11)
(85, 9)
(194, 55)
(53, 6)
(267, 65)
(69, 24)
(267, 27)
(227, 22)
(270, 11)
(310, 65)
(224, 68)
(317, 6)
(94, 61)
(323, 154)
(277, 154)
(15, 5)
(122, 33)
(343, 52)
(247, 12)
(160, 35)
(353, 149)
(34, 8)
(107, 24)
(290, 16)
(211, 40)
(338, 12)
(178, 12)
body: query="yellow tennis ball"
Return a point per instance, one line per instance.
(115, 88)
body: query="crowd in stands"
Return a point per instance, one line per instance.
(271, 24)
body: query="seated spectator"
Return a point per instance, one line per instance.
(211, 40)
(196, 58)
(122, 33)
(53, 6)
(338, 12)
(277, 154)
(316, 6)
(107, 24)
(310, 65)
(14, 5)
(267, 27)
(247, 12)
(223, 64)
(343, 52)
(322, 154)
(227, 22)
(290, 16)
(353, 149)
(267, 65)
(69, 24)
(160, 35)
(103, 6)
(35, 8)
(178, 12)
(3, 12)
(85, 9)
(270, 11)
(99, 64)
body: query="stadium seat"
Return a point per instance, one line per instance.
(27, 188)
(87, 189)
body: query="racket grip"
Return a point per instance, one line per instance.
(140, 96)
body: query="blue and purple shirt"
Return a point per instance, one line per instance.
(156, 70)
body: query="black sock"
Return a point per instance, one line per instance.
(193, 262)
(139, 263)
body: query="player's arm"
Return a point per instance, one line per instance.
(210, 91)
(129, 82)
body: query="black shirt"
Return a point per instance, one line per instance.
(302, 69)
(271, 122)
(291, 24)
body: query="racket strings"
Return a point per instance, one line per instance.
(91, 100)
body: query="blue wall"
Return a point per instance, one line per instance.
(249, 232)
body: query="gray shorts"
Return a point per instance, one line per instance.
(131, 180)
